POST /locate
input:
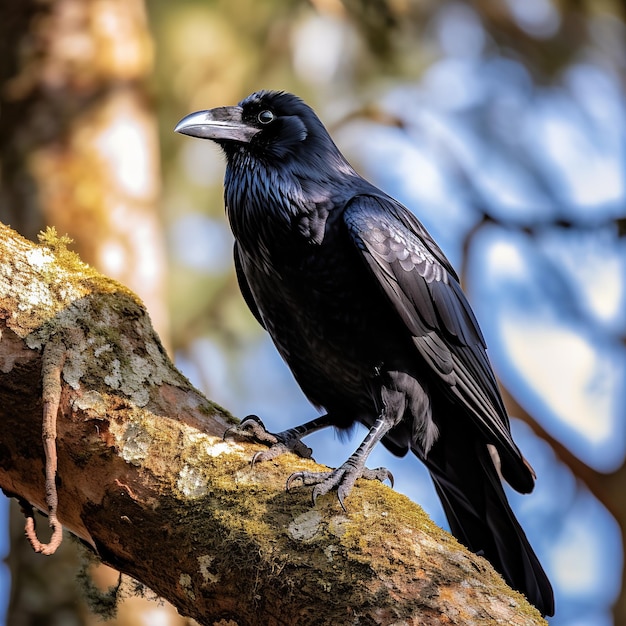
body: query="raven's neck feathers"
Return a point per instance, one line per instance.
(302, 192)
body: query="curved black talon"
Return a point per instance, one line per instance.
(307, 478)
(255, 458)
(233, 429)
(271, 453)
(290, 480)
(380, 473)
(252, 429)
(342, 479)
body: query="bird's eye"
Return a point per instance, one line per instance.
(265, 117)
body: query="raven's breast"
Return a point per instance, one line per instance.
(330, 323)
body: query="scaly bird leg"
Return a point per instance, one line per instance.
(343, 478)
(253, 429)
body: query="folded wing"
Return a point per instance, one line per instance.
(423, 288)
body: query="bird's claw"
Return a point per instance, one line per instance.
(380, 473)
(342, 479)
(253, 429)
(271, 453)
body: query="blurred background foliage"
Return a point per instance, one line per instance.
(500, 123)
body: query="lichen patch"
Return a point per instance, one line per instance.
(185, 582)
(205, 563)
(192, 482)
(39, 258)
(219, 447)
(136, 444)
(305, 526)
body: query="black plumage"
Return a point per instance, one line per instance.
(369, 315)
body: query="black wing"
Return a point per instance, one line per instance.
(422, 286)
(244, 287)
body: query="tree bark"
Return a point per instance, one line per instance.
(145, 479)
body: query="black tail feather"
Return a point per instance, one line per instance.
(480, 517)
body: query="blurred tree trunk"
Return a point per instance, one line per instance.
(79, 150)
(78, 139)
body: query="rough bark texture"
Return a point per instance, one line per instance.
(146, 480)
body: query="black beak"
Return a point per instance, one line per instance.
(221, 124)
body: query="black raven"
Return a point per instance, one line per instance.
(369, 315)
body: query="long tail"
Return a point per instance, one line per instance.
(480, 516)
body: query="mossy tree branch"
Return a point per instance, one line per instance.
(145, 479)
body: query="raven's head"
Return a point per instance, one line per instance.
(267, 124)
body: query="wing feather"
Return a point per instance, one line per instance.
(244, 286)
(421, 285)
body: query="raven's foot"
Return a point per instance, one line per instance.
(253, 429)
(342, 479)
